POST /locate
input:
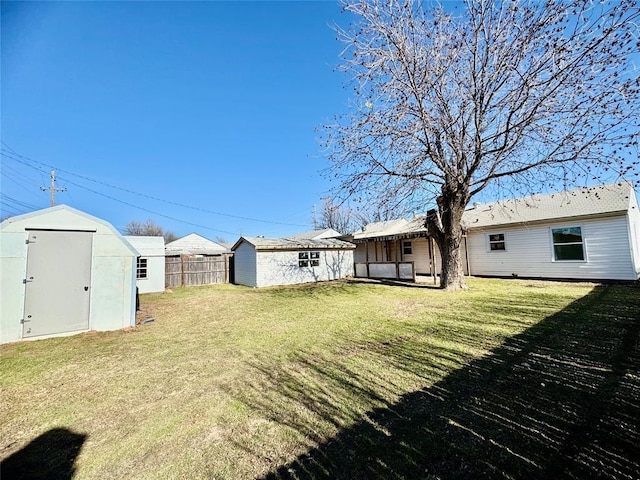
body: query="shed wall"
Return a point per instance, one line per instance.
(245, 265)
(112, 304)
(281, 267)
(529, 251)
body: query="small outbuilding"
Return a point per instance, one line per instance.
(150, 264)
(263, 262)
(63, 271)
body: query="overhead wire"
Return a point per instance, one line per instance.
(12, 154)
(133, 205)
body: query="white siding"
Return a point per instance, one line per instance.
(529, 251)
(244, 268)
(634, 233)
(152, 249)
(281, 267)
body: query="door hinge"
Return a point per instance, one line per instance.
(27, 280)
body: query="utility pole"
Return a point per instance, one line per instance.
(53, 188)
(315, 223)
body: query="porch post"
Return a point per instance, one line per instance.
(435, 264)
(366, 250)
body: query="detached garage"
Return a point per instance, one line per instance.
(263, 262)
(62, 272)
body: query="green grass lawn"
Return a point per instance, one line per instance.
(511, 379)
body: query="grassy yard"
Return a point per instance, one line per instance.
(511, 379)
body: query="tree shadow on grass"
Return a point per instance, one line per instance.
(52, 455)
(560, 400)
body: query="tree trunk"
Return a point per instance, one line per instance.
(445, 227)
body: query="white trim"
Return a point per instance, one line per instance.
(583, 243)
(488, 242)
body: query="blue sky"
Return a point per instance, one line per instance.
(208, 104)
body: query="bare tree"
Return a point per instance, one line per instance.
(149, 228)
(523, 95)
(339, 217)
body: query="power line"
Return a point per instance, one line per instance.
(13, 154)
(131, 204)
(18, 202)
(147, 210)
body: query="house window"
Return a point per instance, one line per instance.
(496, 242)
(407, 247)
(308, 259)
(567, 243)
(141, 268)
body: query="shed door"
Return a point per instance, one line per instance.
(57, 288)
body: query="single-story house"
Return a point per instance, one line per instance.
(399, 249)
(590, 233)
(63, 271)
(196, 260)
(150, 264)
(194, 244)
(262, 262)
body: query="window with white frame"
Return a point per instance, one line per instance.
(407, 247)
(308, 259)
(567, 243)
(496, 242)
(141, 268)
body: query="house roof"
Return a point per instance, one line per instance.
(392, 230)
(316, 234)
(194, 244)
(261, 243)
(382, 229)
(609, 199)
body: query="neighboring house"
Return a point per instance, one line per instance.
(194, 244)
(196, 260)
(150, 265)
(588, 233)
(63, 271)
(262, 262)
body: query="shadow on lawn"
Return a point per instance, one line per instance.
(52, 455)
(560, 400)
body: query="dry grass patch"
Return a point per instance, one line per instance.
(232, 382)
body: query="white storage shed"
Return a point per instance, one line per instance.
(150, 264)
(63, 272)
(263, 262)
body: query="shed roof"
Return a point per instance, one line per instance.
(608, 199)
(147, 245)
(63, 217)
(261, 243)
(194, 244)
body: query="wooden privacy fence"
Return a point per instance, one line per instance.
(184, 271)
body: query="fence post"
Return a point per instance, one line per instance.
(182, 274)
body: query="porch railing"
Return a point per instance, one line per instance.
(390, 270)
